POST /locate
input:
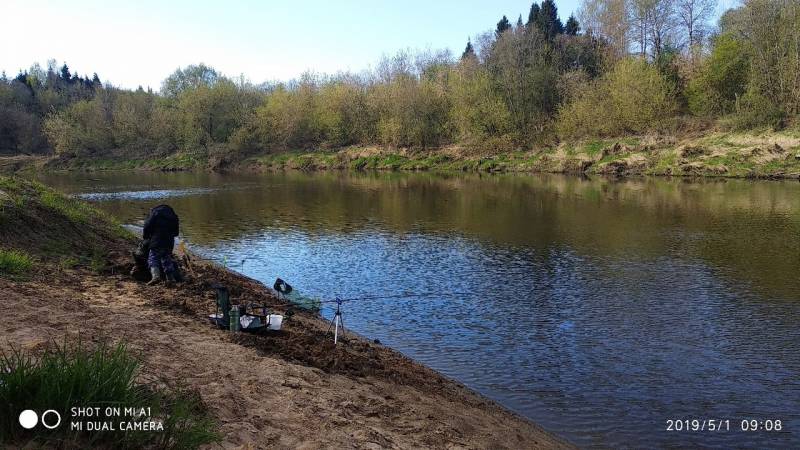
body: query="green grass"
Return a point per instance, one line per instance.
(75, 210)
(68, 262)
(667, 164)
(14, 262)
(595, 147)
(70, 375)
(98, 261)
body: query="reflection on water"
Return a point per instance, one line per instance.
(157, 194)
(599, 309)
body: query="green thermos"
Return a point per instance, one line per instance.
(235, 325)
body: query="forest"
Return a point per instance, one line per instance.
(616, 68)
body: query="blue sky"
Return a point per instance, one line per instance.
(141, 42)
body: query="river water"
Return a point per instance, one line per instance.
(599, 309)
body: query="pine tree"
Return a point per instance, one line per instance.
(572, 27)
(65, 75)
(502, 26)
(519, 22)
(96, 81)
(533, 16)
(547, 20)
(469, 52)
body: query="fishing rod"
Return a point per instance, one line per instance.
(401, 296)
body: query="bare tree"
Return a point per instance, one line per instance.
(662, 25)
(653, 24)
(639, 13)
(607, 19)
(693, 16)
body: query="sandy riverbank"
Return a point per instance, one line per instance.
(292, 390)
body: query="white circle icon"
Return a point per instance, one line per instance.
(58, 419)
(28, 419)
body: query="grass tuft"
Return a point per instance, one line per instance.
(14, 262)
(69, 375)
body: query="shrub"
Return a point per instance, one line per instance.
(80, 129)
(70, 375)
(632, 98)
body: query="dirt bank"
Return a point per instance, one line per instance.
(290, 390)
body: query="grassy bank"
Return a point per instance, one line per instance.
(769, 155)
(718, 154)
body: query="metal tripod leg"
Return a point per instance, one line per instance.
(336, 322)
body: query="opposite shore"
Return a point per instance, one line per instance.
(768, 155)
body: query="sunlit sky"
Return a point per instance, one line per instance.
(141, 42)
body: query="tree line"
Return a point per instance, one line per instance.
(619, 67)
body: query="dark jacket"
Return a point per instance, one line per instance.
(161, 228)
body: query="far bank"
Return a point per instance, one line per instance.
(768, 155)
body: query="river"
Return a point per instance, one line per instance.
(599, 309)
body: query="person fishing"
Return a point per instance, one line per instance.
(160, 230)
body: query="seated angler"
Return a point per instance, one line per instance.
(160, 230)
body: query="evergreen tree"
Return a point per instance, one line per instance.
(533, 16)
(547, 20)
(65, 75)
(469, 52)
(96, 81)
(502, 26)
(572, 27)
(519, 22)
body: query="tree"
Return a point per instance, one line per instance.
(572, 28)
(693, 16)
(533, 15)
(547, 21)
(65, 75)
(96, 81)
(22, 77)
(654, 24)
(771, 29)
(469, 52)
(502, 26)
(721, 79)
(526, 78)
(192, 76)
(608, 20)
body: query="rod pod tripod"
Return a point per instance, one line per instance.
(336, 322)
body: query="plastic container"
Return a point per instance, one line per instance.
(275, 321)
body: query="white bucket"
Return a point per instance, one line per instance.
(275, 321)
